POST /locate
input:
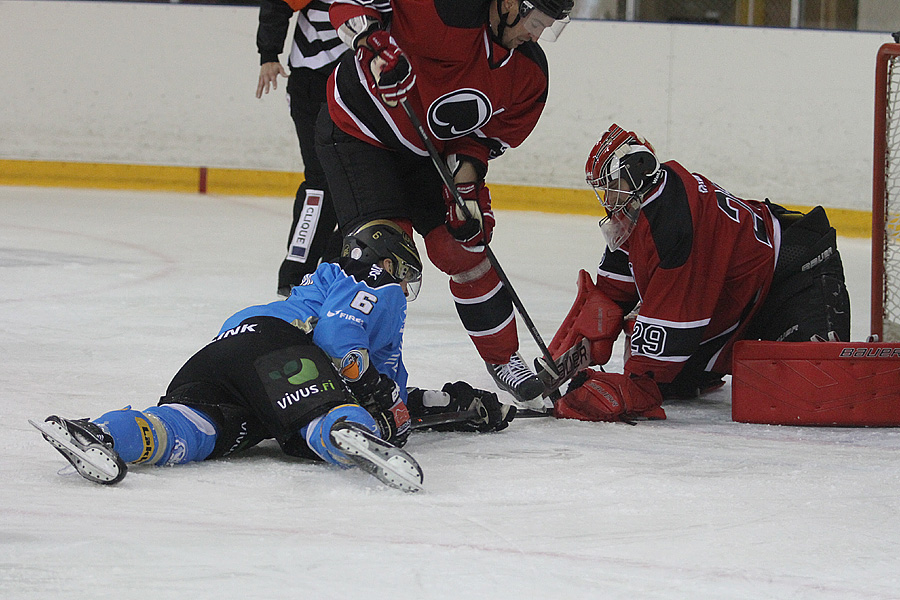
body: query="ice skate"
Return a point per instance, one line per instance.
(391, 465)
(87, 447)
(517, 379)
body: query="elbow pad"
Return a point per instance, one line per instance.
(355, 30)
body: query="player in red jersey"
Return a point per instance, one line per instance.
(474, 74)
(703, 269)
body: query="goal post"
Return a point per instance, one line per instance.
(885, 310)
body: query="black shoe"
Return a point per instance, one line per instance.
(516, 378)
(391, 465)
(87, 447)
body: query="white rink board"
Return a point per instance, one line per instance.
(784, 114)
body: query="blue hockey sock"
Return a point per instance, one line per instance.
(168, 434)
(317, 432)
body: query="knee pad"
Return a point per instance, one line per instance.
(192, 436)
(451, 257)
(138, 438)
(318, 432)
(168, 434)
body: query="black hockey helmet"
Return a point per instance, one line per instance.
(558, 10)
(377, 240)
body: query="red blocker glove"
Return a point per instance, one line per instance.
(597, 396)
(593, 316)
(477, 229)
(393, 74)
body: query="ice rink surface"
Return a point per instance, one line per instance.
(105, 294)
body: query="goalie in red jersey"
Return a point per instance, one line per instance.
(473, 73)
(699, 269)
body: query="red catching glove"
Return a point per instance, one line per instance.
(597, 396)
(477, 199)
(393, 74)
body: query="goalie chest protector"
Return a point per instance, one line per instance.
(816, 383)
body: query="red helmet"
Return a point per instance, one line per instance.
(621, 168)
(624, 154)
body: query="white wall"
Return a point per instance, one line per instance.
(766, 112)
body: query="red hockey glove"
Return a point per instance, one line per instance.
(593, 316)
(597, 396)
(393, 74)
(478, 228)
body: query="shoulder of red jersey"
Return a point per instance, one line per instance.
(668, 213)
(464, 14)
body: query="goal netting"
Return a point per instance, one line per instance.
(886, 197)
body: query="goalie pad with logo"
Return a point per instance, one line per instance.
(816, 383)
(593, 316)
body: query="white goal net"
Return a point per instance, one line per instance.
(886, 197)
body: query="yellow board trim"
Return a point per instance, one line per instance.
(245, 182)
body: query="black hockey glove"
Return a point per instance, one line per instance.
(491, 414)
(380, 395)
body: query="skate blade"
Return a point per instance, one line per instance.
(396, 471)
(93, 458)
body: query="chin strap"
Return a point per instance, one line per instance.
(498, 37)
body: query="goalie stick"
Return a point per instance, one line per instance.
(447, 178)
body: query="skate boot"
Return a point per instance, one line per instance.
(86, 446)
(516, 378)
(391, 465)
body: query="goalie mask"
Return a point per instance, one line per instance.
(377, 240)
(621, 168)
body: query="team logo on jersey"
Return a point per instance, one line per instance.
(459, 113)
(354, 364)
(297, 372)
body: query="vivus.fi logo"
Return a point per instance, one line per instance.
(296, 372)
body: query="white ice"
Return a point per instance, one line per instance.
(104, 294)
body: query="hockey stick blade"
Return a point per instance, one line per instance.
(571, 361)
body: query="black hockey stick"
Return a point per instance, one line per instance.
(447, 178)
(466, 415)
(444, 419)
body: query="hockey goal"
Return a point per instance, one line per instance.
(885, 318)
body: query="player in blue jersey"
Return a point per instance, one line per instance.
(321, 372)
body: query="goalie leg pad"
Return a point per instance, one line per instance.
(808, 296)
(593, 316)
(816, 383)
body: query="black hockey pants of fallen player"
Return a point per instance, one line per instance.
(263, 379)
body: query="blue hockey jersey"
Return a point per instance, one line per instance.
(357, 306)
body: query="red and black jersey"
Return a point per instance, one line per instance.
(700, 261)
(476, 97)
